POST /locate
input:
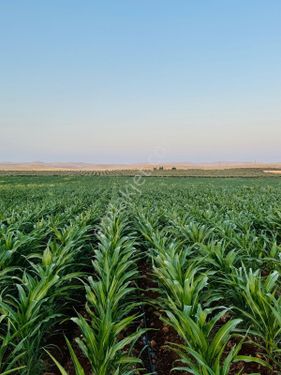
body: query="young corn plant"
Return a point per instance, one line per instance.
(111, 302)
(204, 350)
(42, 295)
(11, 242)
(30, 315)
(192, 232)
(217, 257)
(257, 299)
(10, 354)
(181, 281)
(183, 287)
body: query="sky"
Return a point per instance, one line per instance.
(120, 81)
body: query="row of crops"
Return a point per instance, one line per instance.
(181, 276)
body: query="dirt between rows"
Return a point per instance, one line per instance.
(152, 347)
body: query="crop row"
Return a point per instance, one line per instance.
(196, 263)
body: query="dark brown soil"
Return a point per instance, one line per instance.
(159, 335)
(249, 368)
(152, 347)
(60, 351)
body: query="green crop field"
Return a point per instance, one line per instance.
(110, 275)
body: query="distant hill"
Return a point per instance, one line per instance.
(77, 166)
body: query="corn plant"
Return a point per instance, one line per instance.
(111, 304)
(257, 300)
(181, 281)
(212, 252)
(215, 255)
(42, 294)
(204, 347)
(10, 354)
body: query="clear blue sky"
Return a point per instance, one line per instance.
(113, 81)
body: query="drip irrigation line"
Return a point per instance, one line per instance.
(150, 351)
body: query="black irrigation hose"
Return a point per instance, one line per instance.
(150, 352)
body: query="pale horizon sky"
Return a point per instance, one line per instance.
(120, 81)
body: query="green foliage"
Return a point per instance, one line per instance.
(212, 248)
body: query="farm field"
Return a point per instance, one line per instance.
(150, 172)
(109, 275)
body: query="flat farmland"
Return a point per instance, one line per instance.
(121, 275)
